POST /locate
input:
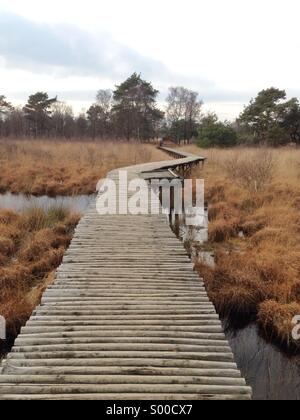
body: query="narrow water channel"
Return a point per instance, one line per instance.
(20, 202)
(272, 374)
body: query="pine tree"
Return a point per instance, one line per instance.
(135, 111)
(38, 113)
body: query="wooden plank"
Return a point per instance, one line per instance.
(127, 317)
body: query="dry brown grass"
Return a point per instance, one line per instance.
(257, 275)
(32, 245)
(252, 171)
(277, 318)
(64, 168)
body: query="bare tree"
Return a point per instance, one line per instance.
(16, 123)
(99, 114)
(62, 119)
(183, 113)
(104, 98)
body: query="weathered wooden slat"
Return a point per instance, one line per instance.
(143, 371)
(144, 362)
(126, 318)
(127, 388)
(138, 329)
(120, 346)
(119, 380)
(119, 335)
(125, 397)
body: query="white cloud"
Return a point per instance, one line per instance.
(227, 50)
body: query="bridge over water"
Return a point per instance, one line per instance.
(127, 318)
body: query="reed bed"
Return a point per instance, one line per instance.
(32, 245)
(253, 197)
(52, 167)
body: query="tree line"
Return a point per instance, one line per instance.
(269, 119)
(131, 111)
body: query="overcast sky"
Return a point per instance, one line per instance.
(227, 50)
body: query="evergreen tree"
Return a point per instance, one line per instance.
(38, 113)
(214, 133)
(5, 106)
(135, 112)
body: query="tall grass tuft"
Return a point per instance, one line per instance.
(253, 198)
(54, 168)
(32, 245)
(36, 218)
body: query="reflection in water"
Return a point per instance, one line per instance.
(193, 231)
(272, 374)
(20, 202)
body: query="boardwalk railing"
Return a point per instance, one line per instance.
(126, 318)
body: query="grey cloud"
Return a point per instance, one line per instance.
(222, 95)
(65, 49)
(231, 96)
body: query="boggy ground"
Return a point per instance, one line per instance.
(254, 212)
(50, 167)
(32, 245)
(254, 203)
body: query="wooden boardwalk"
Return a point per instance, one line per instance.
(127, 318)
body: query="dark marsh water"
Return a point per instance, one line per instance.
(272, 373)
(20, 202)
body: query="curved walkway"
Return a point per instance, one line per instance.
(127, 318)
